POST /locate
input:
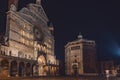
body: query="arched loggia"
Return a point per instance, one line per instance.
(21, 71)
(5, 68)
(13, 68)
(28, 69)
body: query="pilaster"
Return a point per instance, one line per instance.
(9, 68)
(31, 70)
(17, 74)
(24, 72)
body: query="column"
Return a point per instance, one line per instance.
(24, 72)
(58, 72)
(0, 49)
(9, 71)
(30, 69)
(17, 74)
(34, 70)
(0, 66)
(48, 69)
(55, 73)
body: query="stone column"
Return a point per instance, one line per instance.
(0, 66)
(24, 72)
(57, 70)
(31, 70)
(48, 69)
(9, 68)
(55, 73)
(17, 74)
(0, 49)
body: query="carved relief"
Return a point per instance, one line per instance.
(12, 7)
(38, 1)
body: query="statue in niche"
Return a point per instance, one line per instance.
(38, 1)
(12, 7)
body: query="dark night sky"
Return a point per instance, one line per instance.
(97, 20)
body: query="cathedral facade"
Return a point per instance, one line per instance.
(28, 48)
(80, 57)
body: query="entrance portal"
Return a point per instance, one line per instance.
(41, 64)
(13, 68)
(75, 70)
(4, 68)
(21, 69)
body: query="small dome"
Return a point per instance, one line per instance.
(80, 36)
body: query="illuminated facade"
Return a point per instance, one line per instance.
(29, 44)
(80, 57)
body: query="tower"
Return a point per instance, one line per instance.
(51, 28)
(13, 4)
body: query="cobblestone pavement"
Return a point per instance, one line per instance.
(61, 78)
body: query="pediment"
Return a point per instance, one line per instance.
(36, 11)
(39, 10)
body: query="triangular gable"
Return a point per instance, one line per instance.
(39, 10)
